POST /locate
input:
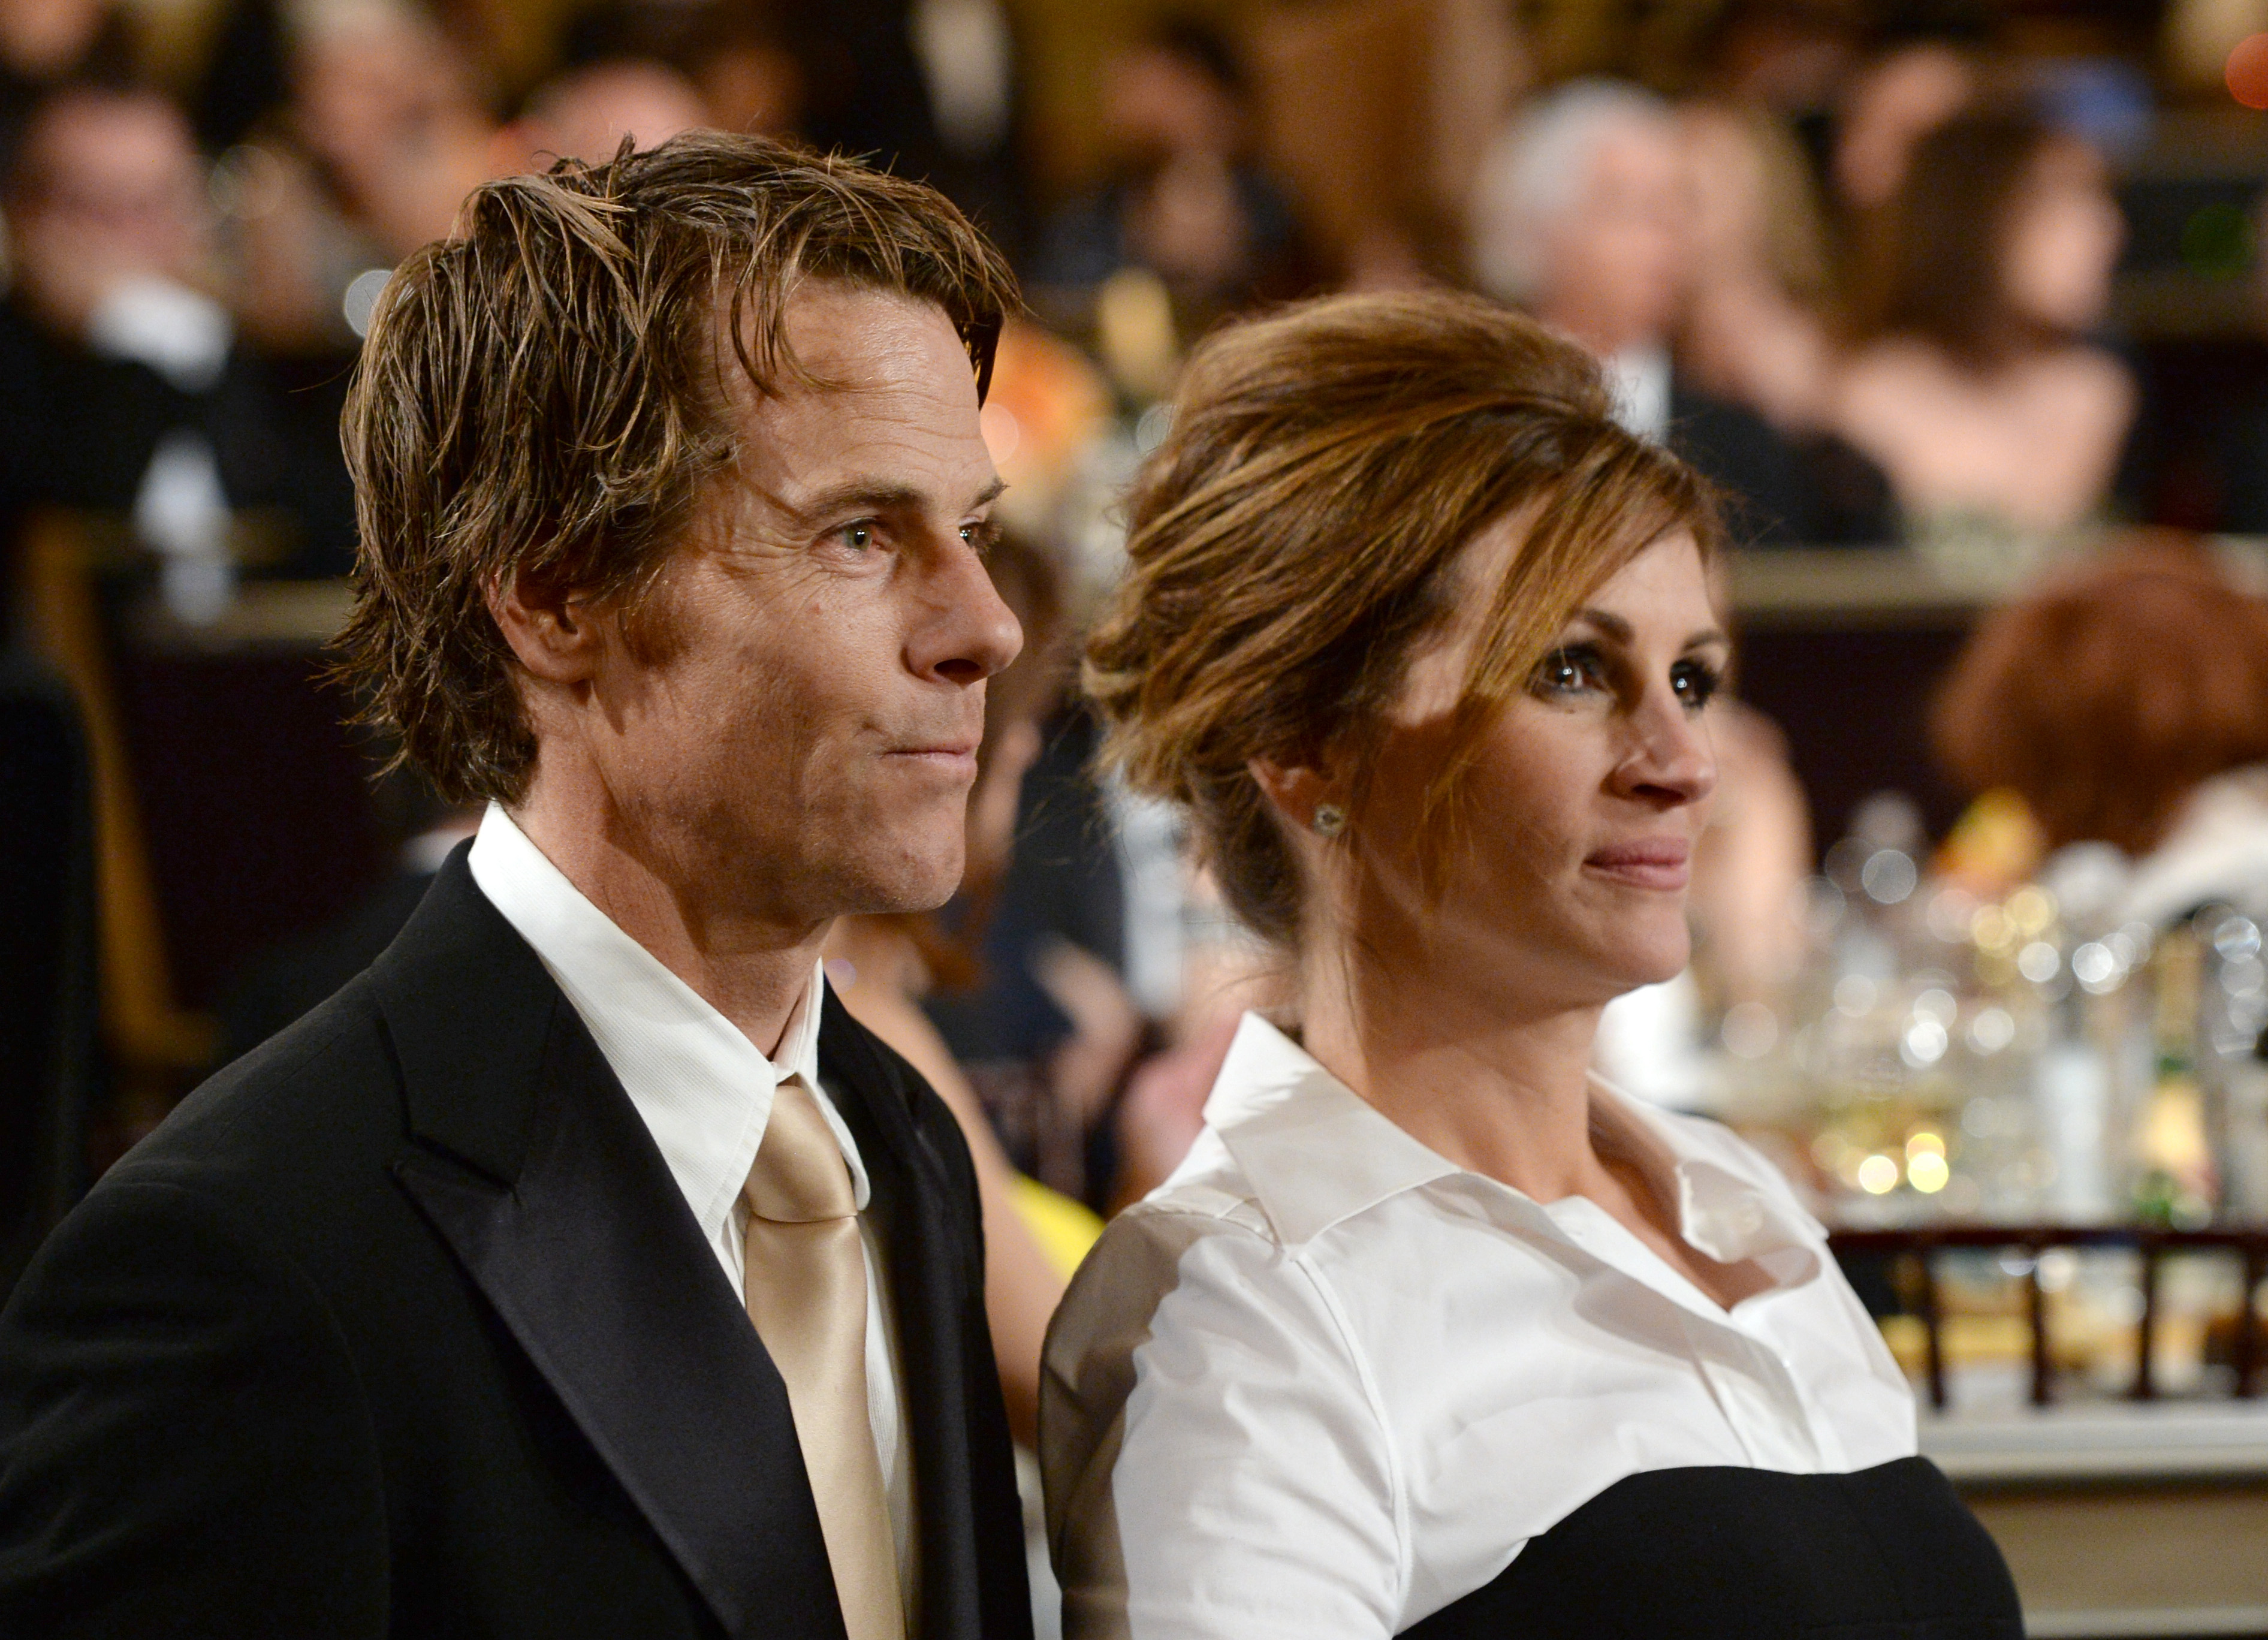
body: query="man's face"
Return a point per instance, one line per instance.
(796, 730)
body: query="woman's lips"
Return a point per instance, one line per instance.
(1666, 864)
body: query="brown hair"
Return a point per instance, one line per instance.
(543, 396)
(1938, 269)
(1294, 538)
(2103, 701)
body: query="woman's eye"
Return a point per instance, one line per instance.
(1694, 682)
(1567, 671)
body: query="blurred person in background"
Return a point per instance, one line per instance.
(1189, 201)
(123, 384)
(1900, 96)
(380, 143)
(2126, 703)
(990, 981)
(1752, 331)
(744, 58)
(586, 112)
(45, 44)
(1583, 216)
(1980, 391)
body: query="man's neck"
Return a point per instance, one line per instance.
(754, 973)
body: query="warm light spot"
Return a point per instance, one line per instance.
(1003, 434)
(2247, 73)
(1928, 1172)
(1991, 927)
(1992, 1030)
(1925, 1142)
(2032, 909)
(1878, 1175)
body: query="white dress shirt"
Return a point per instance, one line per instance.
(1324, 1382)
(1638, 380)
(703, 1091)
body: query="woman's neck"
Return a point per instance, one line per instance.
(1459, 1066)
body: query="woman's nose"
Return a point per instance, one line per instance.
(1671, 760)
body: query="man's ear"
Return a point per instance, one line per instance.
(1298, 790)
(558, 637)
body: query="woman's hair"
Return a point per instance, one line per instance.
(1938, 269)
(2104, 700)
(1294, 542)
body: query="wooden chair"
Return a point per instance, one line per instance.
(153, 1042)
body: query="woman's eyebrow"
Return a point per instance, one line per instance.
(1614, 627)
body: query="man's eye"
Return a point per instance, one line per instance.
(858, 537)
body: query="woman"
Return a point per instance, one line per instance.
(1979, 395)
(1432, 1334)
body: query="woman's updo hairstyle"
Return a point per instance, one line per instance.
(1292, 542)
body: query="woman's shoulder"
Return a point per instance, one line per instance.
(1205, 1200)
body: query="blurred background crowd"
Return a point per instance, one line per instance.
(1959, 303)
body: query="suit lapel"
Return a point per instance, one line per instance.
(532, 1163)
(929, 1297)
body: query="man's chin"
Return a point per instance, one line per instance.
(915, 886)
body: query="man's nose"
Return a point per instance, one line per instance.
(969, 633)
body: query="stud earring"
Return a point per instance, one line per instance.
(1330, 820)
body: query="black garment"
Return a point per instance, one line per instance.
(295, 978)
(49, 1054)
(1769, 499)
(399, 1326)
(78, 430)
(1724, 1554)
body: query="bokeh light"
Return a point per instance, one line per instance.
(2248, 71)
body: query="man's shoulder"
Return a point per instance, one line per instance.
(316, 1100)
(326, 1104)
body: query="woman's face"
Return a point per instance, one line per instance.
(2064, 234)
(1587, 798)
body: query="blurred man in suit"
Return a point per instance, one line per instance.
(582, 1268)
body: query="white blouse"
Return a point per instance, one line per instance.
(1324, 1382)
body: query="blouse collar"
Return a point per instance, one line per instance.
(1316, 1154)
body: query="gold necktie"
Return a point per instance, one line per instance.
(806, 1294)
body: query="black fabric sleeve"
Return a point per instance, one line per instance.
(185, 1448)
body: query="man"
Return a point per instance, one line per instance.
(581, 1269)
(1580, 217)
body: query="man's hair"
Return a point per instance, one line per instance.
(544, 398)
(1535, 171)
(1294, 542)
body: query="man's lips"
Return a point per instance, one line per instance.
(1664, 863)
(957, 755)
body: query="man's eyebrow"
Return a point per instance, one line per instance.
(1615, 626)
(864, 496)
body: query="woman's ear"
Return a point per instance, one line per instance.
(1300, 791)
(558, 637)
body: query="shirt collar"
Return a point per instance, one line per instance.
(1313, 1151)
(1316, 1154)
(702, 1089)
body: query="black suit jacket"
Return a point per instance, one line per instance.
(399, 1326)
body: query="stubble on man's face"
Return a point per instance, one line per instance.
(800, 738)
